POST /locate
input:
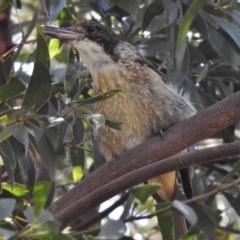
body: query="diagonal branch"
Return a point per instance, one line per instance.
(181, 136)
(140, 175)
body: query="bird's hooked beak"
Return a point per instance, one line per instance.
(64, 34)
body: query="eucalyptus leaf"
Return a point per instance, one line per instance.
(113, 230)
(45, 149)
(99, 97)
(21, 134)
(6, 207)
(11, 89)
(144, 192)
(40, 193)
(53, 8)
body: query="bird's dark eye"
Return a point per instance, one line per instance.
(91, 29)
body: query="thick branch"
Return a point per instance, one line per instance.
(142, 175)
(181, 136)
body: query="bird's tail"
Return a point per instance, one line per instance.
(170, 192)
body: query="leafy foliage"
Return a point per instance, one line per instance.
(46, 115)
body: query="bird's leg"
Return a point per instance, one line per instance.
(116, 155)
(160, 131)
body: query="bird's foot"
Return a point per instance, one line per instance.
(116, 155)
(161, 131)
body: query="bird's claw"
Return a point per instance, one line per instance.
(116, 155)
(161, 131)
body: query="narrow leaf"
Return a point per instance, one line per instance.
(45, 150)
(100, 97)
(21, 134)
(187, 21)
(40, 193)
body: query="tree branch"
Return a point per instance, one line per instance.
(140, 175)
(86, 194)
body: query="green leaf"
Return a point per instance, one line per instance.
(218, 43)
(51, 134)
(189, 16)
(21, 134)
(200, 24)
(172, 10)
(43, 216)
(191, 234)
(77, 173)
(39, 88)
(49, 236)
(6, 207)
(42, 50)
(50, 226)
(53, 8)
(144, 192)
(235, 170)
(165, 221)
(100, 97)
(153, 9)
(207, 219)
(186, 211)
(40, 194)
(111, 230)
(229, 28)
(113, 124)
(18, 190)
(7, 65)
(4, 134)
(45, 149)
(11, 89)
(8, 157)
(4, 5)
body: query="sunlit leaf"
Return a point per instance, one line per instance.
(17, 190)
(77, 173)
(40, 193)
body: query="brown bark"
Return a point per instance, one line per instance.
(97, 187)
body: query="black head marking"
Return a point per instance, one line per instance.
(101, 34)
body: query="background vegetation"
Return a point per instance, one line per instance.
(46, 120)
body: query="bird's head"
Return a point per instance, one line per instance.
(95, 42)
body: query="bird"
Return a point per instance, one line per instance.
(148, 101)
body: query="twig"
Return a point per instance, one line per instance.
(16, 46)
(192, 200)
(103, 214)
